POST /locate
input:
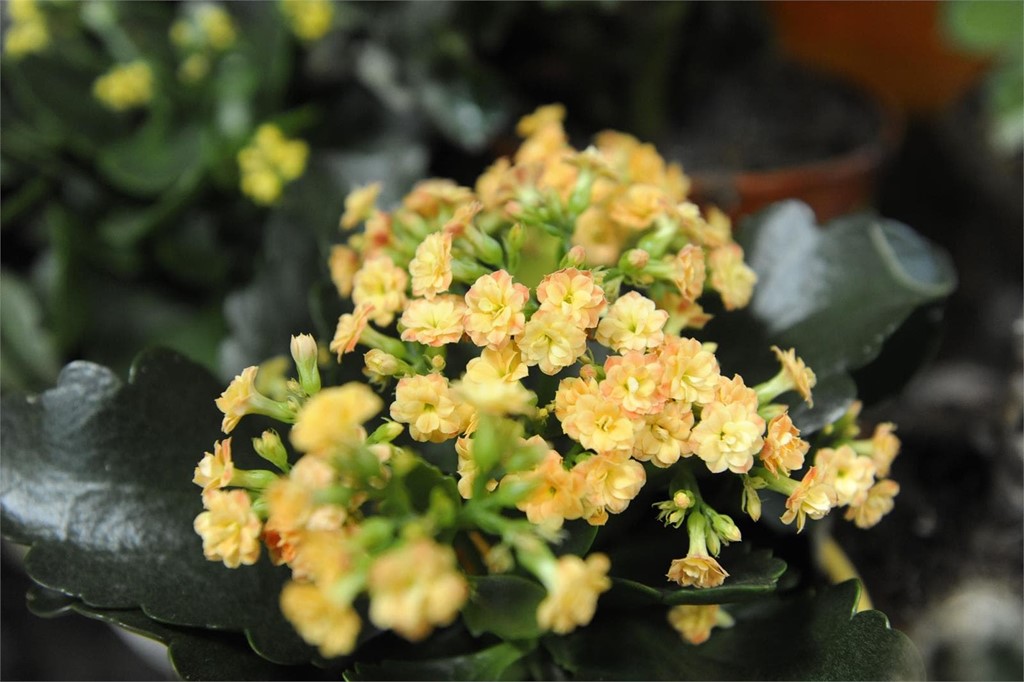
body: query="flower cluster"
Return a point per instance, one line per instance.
(557, 394)
(269, 163)
(205, 30)
(125, 86)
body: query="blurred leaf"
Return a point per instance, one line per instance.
(111, 512)
(505, 605)
(496, 663)
(812, 638)
(154, 159)
(28, 355)
(986, 27)
(834, 294)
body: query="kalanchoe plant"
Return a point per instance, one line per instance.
(535, 446)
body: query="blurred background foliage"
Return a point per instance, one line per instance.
(123, 229)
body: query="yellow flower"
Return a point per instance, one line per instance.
(694, 622)
(573, 586)
(503, 363)
(602, 238)
(850, 474)
(333, 418)
(495, 309)
(878, 503)
(884, 447)
(727, 437)
(229, 528)
(632, 323)
(570, 390)
(235, 401)
(813, 498)
(269, 162)
(416, 587)
(431, 267)
(610, 483)
(125, 86)
(433, 322)
(574, 295)
(381, 283)
(555, 495)
(28, 32)
(600, 425)
(698, 570)
(217, 26)
(344, 263)
(430, 198)
(215, 469)
(425, 402)
(360, 203)
(310, 20)
(496, 396)
(689, 272)
(665, 436)
(541, 117)
(799, 376)
(350, 328)
(783, 449)
(690, 372)
(551, 342)
(730, 276)
(639, 206)
(632, 381)
(330, 626)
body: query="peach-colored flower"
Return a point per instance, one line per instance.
(632, 381)
(727, 437)
(343, 263)
(599, 235)
(689, 272)
(878, 503)
(697, 570)
(736, 391)
(425, 402)
(555, 494)
(601, 425)
(431, 267)
(320, 621)
(359, 203)
(574, 295)
(884, 447)
(234, 401)
(850, 474)
(690, 372)
(429, 198)
(812, 498)
(783, 449)
(730, 276)
(665, 436)
(215, 469)
(569, 392)
(610, 483)
(797, 372)
(694, 622)
(333, 418)
(638, 206)
(541, 117)
(381, 284)
(551, 342)
(632, 323)
(573, 586)
(433, 322)
(494, 307)
(350, 328)
(229, 528)
(415, 588)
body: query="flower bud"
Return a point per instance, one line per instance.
(638, 258)
(305, 354)
(385, 433)
(269, 447)
(575, 258)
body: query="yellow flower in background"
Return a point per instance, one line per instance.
(229, 528)
(125, 86)
(331, 626)
(416, 587)
(310, 20)
(878, 502)
(333, 418)
(360, 203)
(694, 622)
(269, 163)
(28, 32)
(573, 589)
(730, 276)
(217, 26)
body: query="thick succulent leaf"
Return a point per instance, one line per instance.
(811, 638)
(834, 294)
(495, 663)
(96, 477)
(505, 605)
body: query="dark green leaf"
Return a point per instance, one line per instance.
(834, 294)
(28, 351)
(96, 477)
(811, 638)
(496, 663)
(154, 160)
(505, 605)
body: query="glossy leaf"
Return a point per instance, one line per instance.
(812, 638)
(96, 477)
(505, 605)
(495, 663)
(833, 293)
